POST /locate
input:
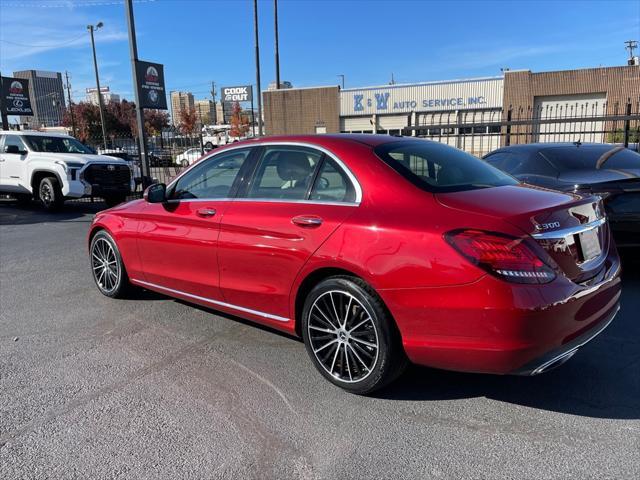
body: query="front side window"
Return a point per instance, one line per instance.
(436, 167)
(213, 178)
(284, 172)
(56, 144)
(14, 140)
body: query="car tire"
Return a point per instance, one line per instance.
(50, 194)
(107, 268)
(184, 163)
(114, 200)
(350, 335)
(208, 146)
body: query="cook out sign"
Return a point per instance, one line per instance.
(237, 94)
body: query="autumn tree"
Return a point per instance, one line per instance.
(239, 122)
(119, 118)
(188, 121)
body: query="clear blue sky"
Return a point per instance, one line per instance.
(203, 40)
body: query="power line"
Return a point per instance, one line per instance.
(67, 4)
(44, 46)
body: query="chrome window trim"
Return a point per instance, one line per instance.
(213, 302)
(352, 178)
(565, 232)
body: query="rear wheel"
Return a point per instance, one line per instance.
(350, 336)
(107, 267)
(50, 194)
(185, 163)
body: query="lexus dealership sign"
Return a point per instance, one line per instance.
(151, 85)
(15, 96)
(237, 94)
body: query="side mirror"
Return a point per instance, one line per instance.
(156, 193)
(14, 149)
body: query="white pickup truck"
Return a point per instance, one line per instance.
(52, 167)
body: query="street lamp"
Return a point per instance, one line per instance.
(91, 29)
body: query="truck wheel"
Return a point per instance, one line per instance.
(114, 200)
(208, 146)
(50, 194)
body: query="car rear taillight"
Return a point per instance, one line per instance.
(503, 256)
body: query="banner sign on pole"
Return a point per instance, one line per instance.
(242, 93)
(151, 85)
(15, 96)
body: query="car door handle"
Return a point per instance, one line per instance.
(307, 221)
(206, 212)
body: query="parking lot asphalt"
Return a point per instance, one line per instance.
(157, 388)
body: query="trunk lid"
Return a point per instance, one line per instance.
(570, 228)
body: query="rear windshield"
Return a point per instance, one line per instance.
(40, 143)
(592, 158)
(436, 167)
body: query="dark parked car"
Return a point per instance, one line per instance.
(613, 172)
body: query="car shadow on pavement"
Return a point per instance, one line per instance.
(602, 380)
(12, 213)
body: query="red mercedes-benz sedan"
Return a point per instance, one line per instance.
(376, 250)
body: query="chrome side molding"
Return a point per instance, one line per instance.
(211, 301)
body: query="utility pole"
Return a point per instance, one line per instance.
(255, 27)
(91, 29)
(73, 116)
(142, 135)
(275, 11)
(5, 120)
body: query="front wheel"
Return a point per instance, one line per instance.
(350, 336)
(184, 163)
(50, 194)
(107, 267)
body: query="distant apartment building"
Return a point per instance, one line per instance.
(205, 112)
(47, 98)
(107, 95)
(180, 101)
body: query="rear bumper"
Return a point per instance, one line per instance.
(557, 357)
(491, 326)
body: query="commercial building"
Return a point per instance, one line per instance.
(477, 115)
(107, 95)
(180, 101)
(47, 98)
(205, 112)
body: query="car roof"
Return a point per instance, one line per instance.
(543, 146)
(372, 140)
(36, 133)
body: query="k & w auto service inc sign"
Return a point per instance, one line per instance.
(151, 85)
(237, 94)
(15, 96)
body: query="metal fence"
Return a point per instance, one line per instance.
(482, 131)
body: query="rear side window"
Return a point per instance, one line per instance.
(591, 158)
(332, 184)
(436, 167)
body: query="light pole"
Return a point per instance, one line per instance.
(91, 29)
(255, 26)
(342, 77)
(275, 15)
